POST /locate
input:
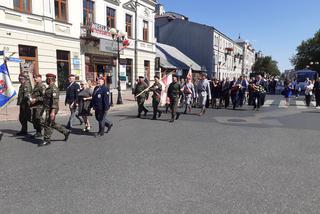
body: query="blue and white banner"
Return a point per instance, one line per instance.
(7, 91)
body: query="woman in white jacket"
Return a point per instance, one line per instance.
(308, 92)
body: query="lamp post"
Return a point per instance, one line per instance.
(118, 37)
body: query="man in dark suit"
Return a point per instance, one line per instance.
(71, 97)
(100, 103)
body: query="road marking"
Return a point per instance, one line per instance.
(300, 104)
(268, 103)
(282, 104)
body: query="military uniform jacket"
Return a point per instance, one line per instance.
(72, 93)
(174, 90)
(24, 94)
(51, 99)
(139, 88)
(100, 99)
(37, 94)
(156, 88)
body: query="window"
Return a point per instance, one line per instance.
(88, 12)
(23, 6)
(63, 68)
(147, 69)
(60, 8)
(30, 55)
(111, 17)
(129, 25)
(145, 31)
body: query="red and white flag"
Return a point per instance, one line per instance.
(165, 82)
(189, 75)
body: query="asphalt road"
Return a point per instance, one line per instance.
(227, 161)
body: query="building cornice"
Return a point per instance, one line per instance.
(115, 2)
(129, 6)
(151, 2)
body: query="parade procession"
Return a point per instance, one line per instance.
(159, 107)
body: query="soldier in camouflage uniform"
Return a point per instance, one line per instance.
(36, 104)
(51, 108)
(174, 91)
(156, 88)
(23, 101)
(141, 86)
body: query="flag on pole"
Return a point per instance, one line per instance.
(165, 82)
(7, 91)
(189, 75)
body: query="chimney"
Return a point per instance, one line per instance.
(160, 9)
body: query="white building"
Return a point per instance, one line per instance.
(44, 33)
(135, 19)
(249, 56)
(228, 56)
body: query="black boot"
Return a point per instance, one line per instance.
(44, 143)
(159, 114)
(66, 135)
(172, 120)
(177, 116)
(139, 115)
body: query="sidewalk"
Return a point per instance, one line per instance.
(11, 112)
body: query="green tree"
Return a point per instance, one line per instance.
(266, 65)
(308, 54)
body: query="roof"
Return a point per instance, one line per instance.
(172, 58)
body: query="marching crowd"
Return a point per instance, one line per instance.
(39, 104)
(203, 93)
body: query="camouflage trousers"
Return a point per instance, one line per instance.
(49, 124)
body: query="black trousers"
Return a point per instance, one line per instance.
(317, 96)
(308, 100)
(257, 100)
(24, 116)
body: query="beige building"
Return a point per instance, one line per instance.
(102, 22)
(42, 33)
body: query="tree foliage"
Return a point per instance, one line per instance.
(266, 65)
(308, 54)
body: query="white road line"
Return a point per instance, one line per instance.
(282, 104)
(268, 103)
(300, 104)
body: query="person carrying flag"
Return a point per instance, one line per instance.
(23, 102)
(156, 88)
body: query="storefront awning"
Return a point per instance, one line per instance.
(172, 58)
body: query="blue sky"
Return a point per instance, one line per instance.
(276, 27)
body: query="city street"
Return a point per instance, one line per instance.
(227, 161)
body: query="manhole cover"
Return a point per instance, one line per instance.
(237, 120)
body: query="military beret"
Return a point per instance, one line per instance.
(49, 75)
(156, 77)
(22, 75)
(141, 77)
(37, 75)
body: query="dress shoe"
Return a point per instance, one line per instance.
(21, 133)
(37, 135)
(44, 143)
(98, 134)
(171, 121)
(66, 135)
(109, 128)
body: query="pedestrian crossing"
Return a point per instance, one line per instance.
(279, 103)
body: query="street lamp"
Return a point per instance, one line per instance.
(119, 37)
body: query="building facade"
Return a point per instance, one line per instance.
(216, 53)
(105, 25)
(44, 34)
(249, 56)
